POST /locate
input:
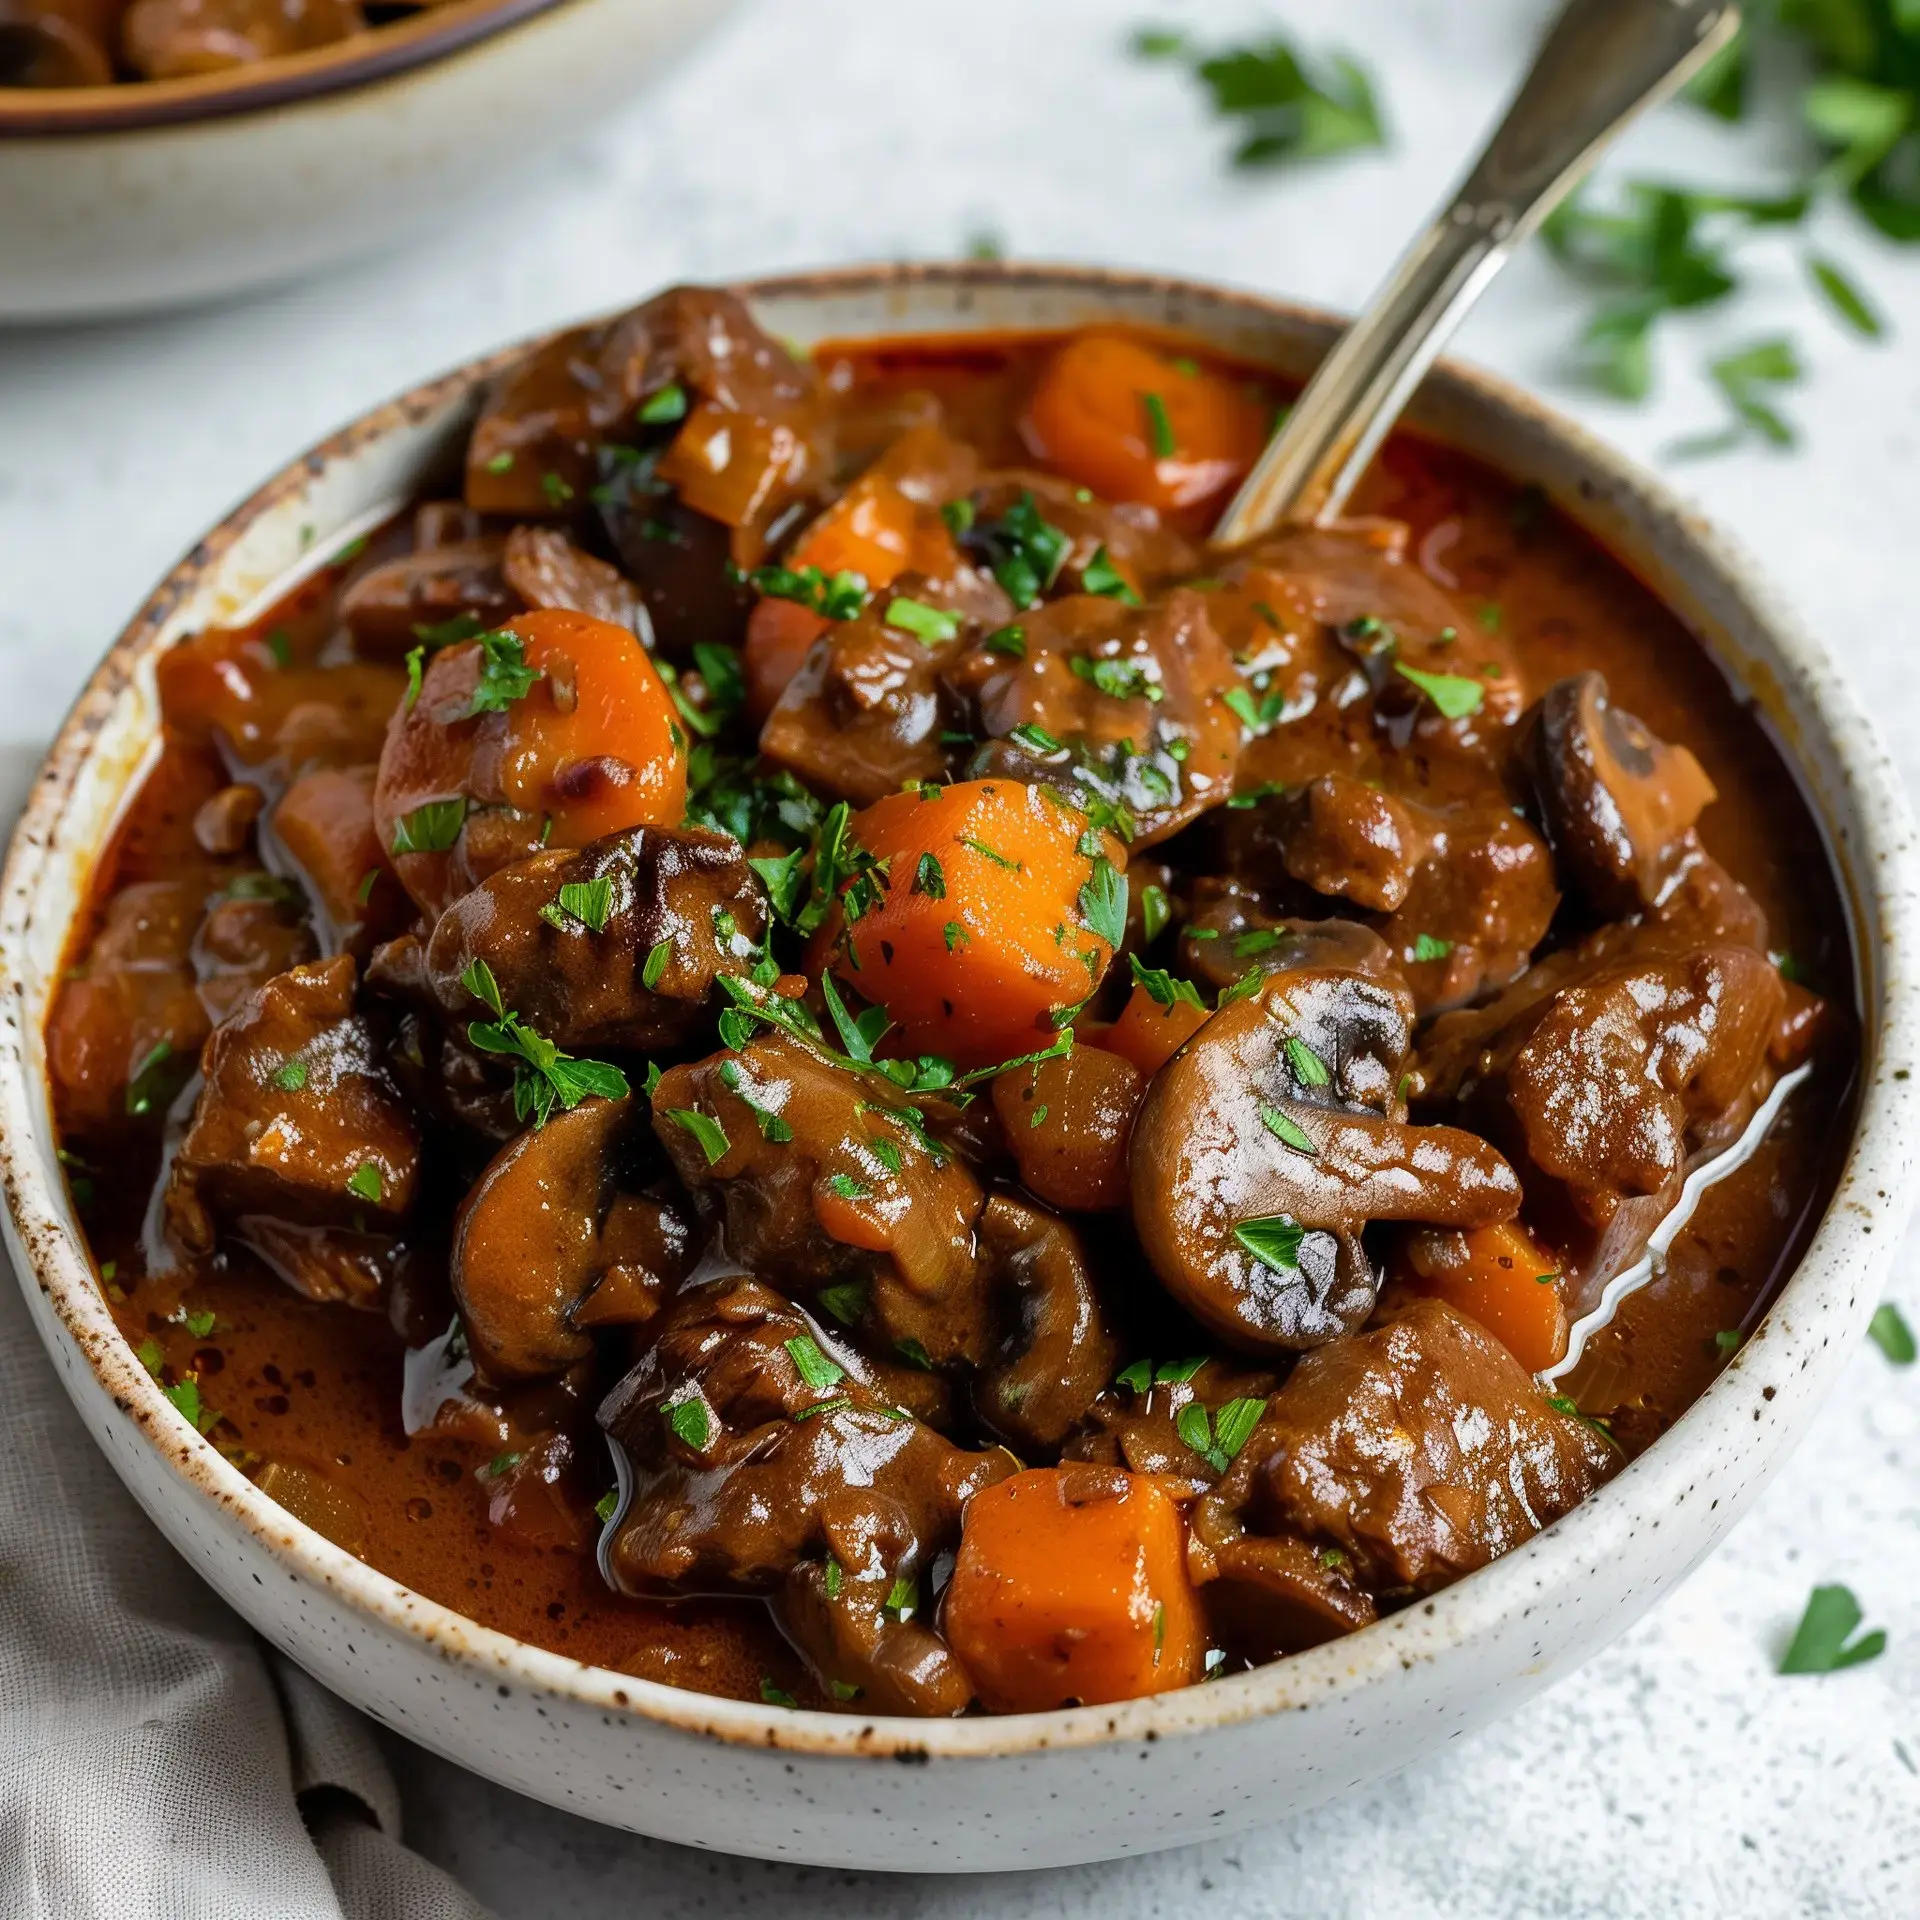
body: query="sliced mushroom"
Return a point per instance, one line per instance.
(1055, 1349)
(1283, 1111)
(557, 1237)
(1618, 802)
(660, 913)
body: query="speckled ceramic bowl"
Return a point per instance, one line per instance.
(121, 199)
(985, 1793)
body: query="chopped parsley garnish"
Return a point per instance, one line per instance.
(1234, 1423)
(1565, 1404)
(185, 1395)
(776, 1696)
(147, 1084)
(1103, 903)
(931, 626)
(1155, 911)
(813, 1366)
(1286, 1130)
(930, 878)
(543, 1076)
(1163, 988)
(1889, 1331)
(1456, 695)
(1102, 577)
(689, 1422)
(1308, 1068)
(1845, 298)
(364, 1183)
(784, 878)
(1117, 679)
(656, 962)
(914, 1354)
(1009, 642)
(958, 515)
(773, 1128)
(1283, 105)
(589, 902)
(292, 1076)
(953, 932)
(1823, 1642)
(662, 408)
(903, 1597)
(198, 1324)
(368, 881)
(838, 597)
(1159, 427)
(859, 1033)
(832, 1577)
(499, 1464)
(504, 674)
(1024, 552)
(431, 828)
(1257, 716)
(1727, 1340)
(605, 1507)
(1789, 968)
(1427, 947)
(712, 1137)
(845, 1187)
(990, 853)
(1035, 738)
(500, 463)
(846, 1300)
(1273, 1241)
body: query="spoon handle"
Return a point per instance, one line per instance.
(1603, 63)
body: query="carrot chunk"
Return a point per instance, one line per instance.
(1071, 1584)
(1502, 1279)
(997, 911)
(1135, 424)
(1150, 1032)
(780, 635)
(595, 741)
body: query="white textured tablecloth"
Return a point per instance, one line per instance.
(1676, 1775)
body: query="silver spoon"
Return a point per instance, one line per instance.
(1603, 64)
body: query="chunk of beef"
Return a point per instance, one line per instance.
(1117, 703)
(131, 1004)
(1606, 1071)
(298, 1126)
(1388, 1465)
(689, 416)
(866, 712)
(765, 1458)
(247, 935)
(674, 910)
(834, 1185)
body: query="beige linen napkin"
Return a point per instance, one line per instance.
(157, 1761)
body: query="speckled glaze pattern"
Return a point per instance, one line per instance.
(1033, 1790)
(191, 190)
